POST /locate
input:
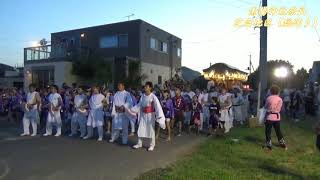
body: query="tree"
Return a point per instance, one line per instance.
(200, 83)
(134, 78)
(253, 79)
(93, 69)
(300, 78)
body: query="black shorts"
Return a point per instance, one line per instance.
(179, 117)
(214, 121)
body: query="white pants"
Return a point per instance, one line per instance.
(187, 118)
(54, 118)
(226, 116)
(116, 132)
(152, 142)
(132, 125)
(80, 120)
(90, 131)
(30, 117)
(206, 115)
(201, 121)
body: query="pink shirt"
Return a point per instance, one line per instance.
(273, 106)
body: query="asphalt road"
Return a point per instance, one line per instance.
(52, 158)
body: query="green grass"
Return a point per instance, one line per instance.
(221, 158)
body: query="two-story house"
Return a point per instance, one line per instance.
(158, 52)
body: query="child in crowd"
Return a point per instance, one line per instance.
(195, 114)
(179, 108)
(168, 110)
(67, 109)
(214, 109)
(107, 110)
(187, 113)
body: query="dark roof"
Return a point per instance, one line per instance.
(4, 67)
(222, 67)
(122, 22)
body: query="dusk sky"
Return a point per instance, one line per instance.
(205, 26)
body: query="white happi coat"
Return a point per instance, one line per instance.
(33, 112)
(237, 103)
(147, 120)
(121, 98)
(226, 114)
(78, 116)
(95, 117)
(245, 107)
(54, 116)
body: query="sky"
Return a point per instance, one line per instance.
(205, 26)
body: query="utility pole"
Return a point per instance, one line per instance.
(263, 80)
(250, 64)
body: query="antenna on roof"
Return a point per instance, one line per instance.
(129, 16)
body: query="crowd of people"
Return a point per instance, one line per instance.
(80, 110)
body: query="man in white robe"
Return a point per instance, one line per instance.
(120, 119)
(149, 112)
(31, 113)
(96, 115)
(237, 103)
(54, 116)
(79, 117)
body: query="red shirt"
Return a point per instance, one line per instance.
(178, 103)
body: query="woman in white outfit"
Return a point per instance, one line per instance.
(79, 117)
(54, 117)
(226, 113)
(31, 114)
(96, 114)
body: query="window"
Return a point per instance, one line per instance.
(164, 47)
(123, 40)
(72, 41)
(153, 43)
(109, 42)
(159, 79)
(179, 52)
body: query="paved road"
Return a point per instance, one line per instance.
(51, 158)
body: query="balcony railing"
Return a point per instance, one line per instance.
(43, 53)
(37, 53)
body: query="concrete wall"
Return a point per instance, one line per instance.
(152, 72)
(150, 55)
(92, 35)
(9, 82)
(62, 72)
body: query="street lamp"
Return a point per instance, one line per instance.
(282, 73)
(35, 43)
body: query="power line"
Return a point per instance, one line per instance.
(246, 2)
(212, 40)
(225, 4)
